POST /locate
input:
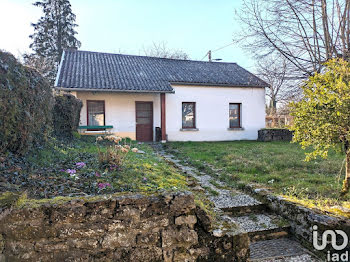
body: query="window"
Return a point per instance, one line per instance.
(188, 115)
(95, 113)
(235, 115)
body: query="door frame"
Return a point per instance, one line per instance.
(152, 118)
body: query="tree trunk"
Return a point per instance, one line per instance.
(346, 183)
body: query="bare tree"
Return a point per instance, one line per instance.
(42, 64)
(161, 50)
(275, 71)
(305, 32)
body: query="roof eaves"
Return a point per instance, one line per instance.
(216, 84)
(112, 90)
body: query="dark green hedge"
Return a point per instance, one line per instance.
(66, 115)
(26, 101)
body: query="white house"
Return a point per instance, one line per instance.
(188, 100)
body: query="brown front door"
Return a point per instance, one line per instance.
(144, 121)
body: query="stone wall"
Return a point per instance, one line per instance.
(302, 219)
(167, 227)
(267, 135)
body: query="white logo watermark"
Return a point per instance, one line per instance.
(332, 234)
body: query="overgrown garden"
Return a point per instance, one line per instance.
(85, 167)
(279, 166)
(42, 155)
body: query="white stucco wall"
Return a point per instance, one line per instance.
(120, 110)
(212, 113)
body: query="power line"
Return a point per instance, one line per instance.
(222, 47)
(211, 51)
(204, 56)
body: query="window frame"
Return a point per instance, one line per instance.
(239, 115)
(87, 112)
(194, 115)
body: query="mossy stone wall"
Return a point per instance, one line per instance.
(274, 134)
(166, 227)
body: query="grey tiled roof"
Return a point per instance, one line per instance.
(115, 72)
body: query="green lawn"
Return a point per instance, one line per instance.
(277, 165)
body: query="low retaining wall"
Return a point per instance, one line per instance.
(267, 135)
(166, 227)
(302, 219)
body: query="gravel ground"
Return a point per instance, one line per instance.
(279, 250)
(258, 222)
(225, 199)
(300, 258)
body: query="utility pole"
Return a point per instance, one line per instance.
(209, 57)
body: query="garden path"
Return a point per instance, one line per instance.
(270, 238)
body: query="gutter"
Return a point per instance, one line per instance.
(111, 90)
(59, 69)
(222, 85)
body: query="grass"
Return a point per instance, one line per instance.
(211, 191)
(279, 166)
(253, 217)
(43, 175)
(139, 172)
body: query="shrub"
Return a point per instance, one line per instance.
(321, 117)
(115, 154)
(66, 115)
(25, 106)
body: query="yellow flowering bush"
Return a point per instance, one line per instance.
(321, 117)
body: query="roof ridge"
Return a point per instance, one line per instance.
(152, 57)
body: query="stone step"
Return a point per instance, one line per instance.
(268, 234)
(262, 226)
(236, 202)
(245, 208)
(280, 250)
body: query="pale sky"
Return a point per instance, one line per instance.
(127, 26)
